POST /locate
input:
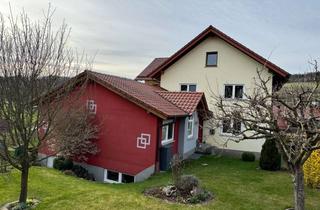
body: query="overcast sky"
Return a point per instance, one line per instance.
(127, 35)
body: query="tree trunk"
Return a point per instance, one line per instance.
(298, 188)
(24, 183)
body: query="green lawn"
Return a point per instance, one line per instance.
(236, 185)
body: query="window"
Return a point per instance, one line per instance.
(116, 177)
(112, 176)
(231, 126)
(190, 126)
(127, 178)
(91, 106)
(226, 126)
(167, 132)
(188, 87)
(228, 89)
(238, 93)
(212, 59)
(233, 91)
(236, 126)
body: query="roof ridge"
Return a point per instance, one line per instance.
(234, 43)
(161, 57)
(111, 75)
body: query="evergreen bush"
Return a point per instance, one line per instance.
(270, 158)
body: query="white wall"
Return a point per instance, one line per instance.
(233, 67)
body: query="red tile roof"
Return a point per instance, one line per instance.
(211, 31)
(152, 67)
(187, 101)
(152, 98)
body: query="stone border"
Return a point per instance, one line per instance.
(8, 206)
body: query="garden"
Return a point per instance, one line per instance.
(235, 184)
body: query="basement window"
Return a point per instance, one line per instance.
(113, 176)
(127, 178)
(117, 177)
(212, 59)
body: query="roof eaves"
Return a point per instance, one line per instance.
(187, 114)
(127, 96)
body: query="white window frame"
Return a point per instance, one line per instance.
(166, 140)
(105, 177)
(234, 91)
(231, 125)
(91, 106)
(188, 87)
(190, 119)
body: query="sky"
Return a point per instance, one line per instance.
(125, 36)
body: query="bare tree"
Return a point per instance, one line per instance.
(34, 60)
(290, 116)
(73, 134)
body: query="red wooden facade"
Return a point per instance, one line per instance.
(121, 123)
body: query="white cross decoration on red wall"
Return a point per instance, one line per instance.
(91, 106)
(143, 140)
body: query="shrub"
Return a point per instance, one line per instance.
(248, 157)
(67, 164)
(81, 172)
(58, 163)
(270, 158)
(187, 183)
(61, 164)
(202, 196)
(312, 170)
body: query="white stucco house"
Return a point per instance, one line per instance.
(213, 62)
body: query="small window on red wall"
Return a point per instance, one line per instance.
(91, 106)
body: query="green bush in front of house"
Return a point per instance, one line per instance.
(270, 158)
(61, 164)
(58, 163)
(248, 157)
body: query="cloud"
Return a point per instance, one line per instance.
(126, 35)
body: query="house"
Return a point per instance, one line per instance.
(215, 64)
(142, 126)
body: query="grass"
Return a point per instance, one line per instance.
(236, 185)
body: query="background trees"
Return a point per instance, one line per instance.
(290, 116)
(34, 60)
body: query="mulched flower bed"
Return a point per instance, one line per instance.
(31, 204)
(172, 194)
